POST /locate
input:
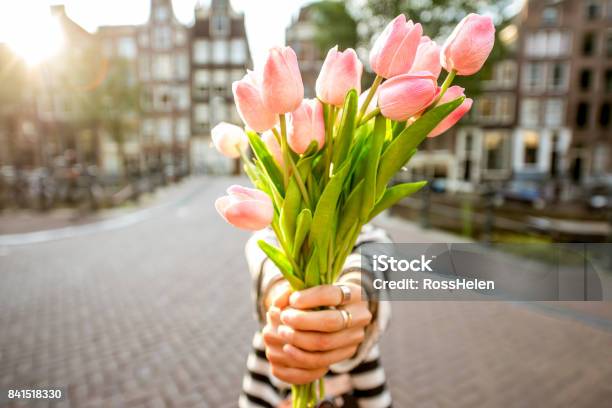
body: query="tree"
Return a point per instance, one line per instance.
(334, 25)
(112, 103)
(438, 18)
(13, 79)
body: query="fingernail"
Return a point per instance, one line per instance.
(285, 332)
(295, 296)
(288, 348)
(286, 316)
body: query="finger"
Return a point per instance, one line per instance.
(313, 341)
(326, 321)
(273, 316)
(282, 300)
(295, 375)
(276, 355)
(271, 337)
(315, 360)
(324, 295)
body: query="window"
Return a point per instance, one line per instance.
(604, 115)
(165, 130)
(530, 115)
(557, 79)
(588, 44)
(162, 38)
(593, 9)
(533, 78)
(495, 143)
(162, 67)
(531, 142)
(220, 25)
(201, 79)
(506, 108)
(127, 47)
(218, 109)
(181, 97)
(201, 116)
(161, 13)
(183, 129)
(148, 127)
(220, 81)
(182, 65)
(237, 74)
(608, 80)
(547, 43)
(554, 112)
(609, 45)
(582, 114)
(238, 52)
(586, 79)
(485, 107)
(162, 99)
(550, 15)
(506, 73)
(201, 49)
(219, 52)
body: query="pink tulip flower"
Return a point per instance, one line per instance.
(451, 94)
(394, 51)
(307, 124)
(283, 89)
(341, 72)
(246, 208)
(469, 45)
(273, 146)
(427, 57)
(229, 139)
(406, 95)
(250, 104)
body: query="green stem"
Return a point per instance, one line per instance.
(369, 97)
(298, 176)
(329, 139)
(445, 85)
(369, 116)
(322, 387)
(283, 245)
(284, 148)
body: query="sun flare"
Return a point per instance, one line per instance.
(31, 32)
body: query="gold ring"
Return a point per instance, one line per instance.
(346, 294)
(347, 318)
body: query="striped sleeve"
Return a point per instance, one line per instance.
(359, 272)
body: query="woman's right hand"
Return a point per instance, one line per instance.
(281, 363)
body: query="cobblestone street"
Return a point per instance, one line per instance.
(153, 310)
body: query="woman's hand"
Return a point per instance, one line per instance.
(301, 343)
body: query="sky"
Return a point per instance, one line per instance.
(14, 15)
(266, 20)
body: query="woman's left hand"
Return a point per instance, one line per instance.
(315, 339)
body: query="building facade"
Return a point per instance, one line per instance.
(300, 36)
(219, 55)
(565, 93)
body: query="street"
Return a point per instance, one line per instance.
(153, 309)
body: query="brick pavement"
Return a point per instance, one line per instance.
(157, 314)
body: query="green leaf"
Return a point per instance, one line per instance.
(267, 161)
(325, 212)
(369, 189)
(394, 194)
(290, 209)
(312, 275)
(304, 220)
(281, 261)
(343, 140)
(350, 211)
(397, 153)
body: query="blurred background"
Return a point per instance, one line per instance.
(116, 274)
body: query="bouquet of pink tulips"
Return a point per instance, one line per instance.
(321, 167)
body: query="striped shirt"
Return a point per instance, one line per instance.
(361, 378)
